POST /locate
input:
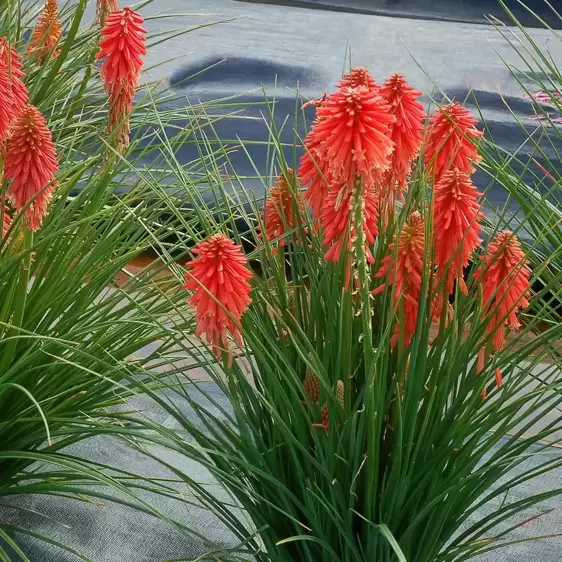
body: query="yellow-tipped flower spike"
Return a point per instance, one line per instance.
(340, 389)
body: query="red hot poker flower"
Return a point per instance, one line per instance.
(505, 285)
(283, 210)
(47, 33)
(123, 47)
(219, 278)
(456, 212)
(312, 172)
(352, 131)
(349, 138)
(13, 93)
(358, 77)
(450, 137)
(403, 267)
(405, 133)
(338, 221)
(31, 164)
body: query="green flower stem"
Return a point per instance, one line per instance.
(373, 445)
(19, 302)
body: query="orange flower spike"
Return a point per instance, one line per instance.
(406, 273)
(219, 277)
(30, 163)
(456, 212)
(13, 93)
(505, 285)
(352, 130)
(47, 33)
(282, 209)
(103, 9)
(450, 141)
(406, 133)
(123, 46)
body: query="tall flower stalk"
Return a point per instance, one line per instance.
(122, 48)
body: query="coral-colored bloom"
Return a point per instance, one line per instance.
(30, 163)
(403, 267)
(450, 141)
(283, 210)
(456, 212)
(405, 133)
(505, 285)
(13, 93)
(310, 174)
(339, 221)
(122, 46)
(47, 33)
(349, 138)
(352, 129)
(358, 77)
(103, 9)
(219, 276)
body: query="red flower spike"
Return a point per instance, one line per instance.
(219, 278)
(456, 212)
(358, 77)
(310, 174)
(13, 93)
(352, 133)
(30, 163)
(283, 210)
(505, 285)
(123, 46)
(406, 273)
(349, 138)
(47, 34)
(338, 220)
(449, 144)
(405, 133)
(103, 9)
